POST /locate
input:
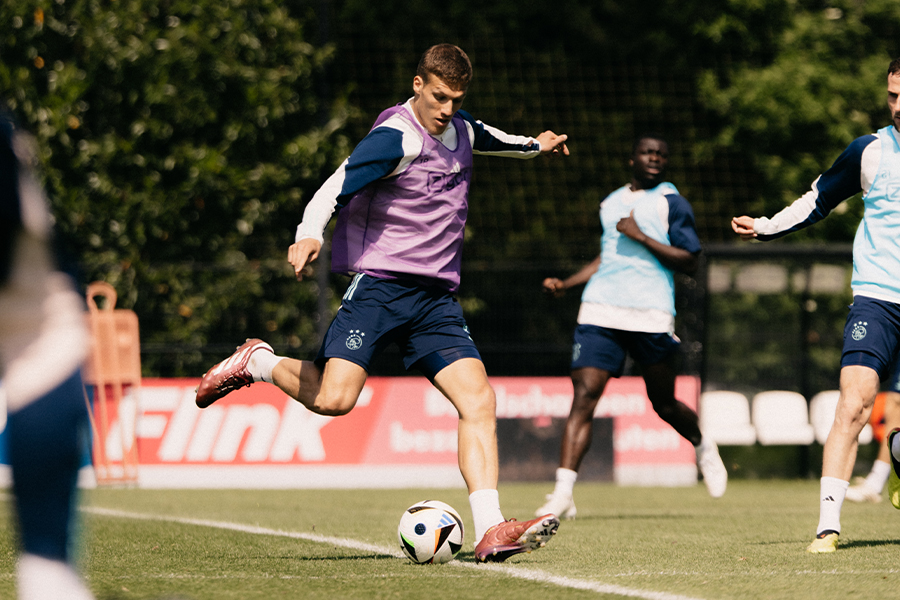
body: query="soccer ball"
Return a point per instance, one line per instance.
(430, 532)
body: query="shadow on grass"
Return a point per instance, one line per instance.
(330, 558)
(868, 543)
(842, 545)
(647, 517)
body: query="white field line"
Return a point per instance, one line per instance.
(507, 570)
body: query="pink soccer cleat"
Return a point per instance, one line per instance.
(511, 537)
(230, 374)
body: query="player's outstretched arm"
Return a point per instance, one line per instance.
(743, 226)
(558, 287)
(302, 253)
(550, 142)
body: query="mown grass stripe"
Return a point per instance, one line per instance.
(534, 575)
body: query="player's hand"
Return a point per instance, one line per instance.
(554, 286)
(552, 143)
(628, 227)
(302, 253)
(743, 226)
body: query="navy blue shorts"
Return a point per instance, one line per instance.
(894, 385)
(426, 324)
(604, 348)
(872, 335)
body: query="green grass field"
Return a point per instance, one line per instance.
(659, 543)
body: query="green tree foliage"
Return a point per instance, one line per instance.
(181, 139)
(180, 142)
(792, 108)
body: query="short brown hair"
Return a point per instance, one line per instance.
(447, 62)
(894, 67)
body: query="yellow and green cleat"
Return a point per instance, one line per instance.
(825, 542)
(893, 479)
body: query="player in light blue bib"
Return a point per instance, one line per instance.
(628, 307)
(871, 165)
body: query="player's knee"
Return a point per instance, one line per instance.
(665, 409)
(481, 406)
(333, 404)
(851, 415)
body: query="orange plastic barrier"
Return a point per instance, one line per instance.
(113, 367)
(877, 418)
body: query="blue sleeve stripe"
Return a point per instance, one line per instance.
(682, 230)
(376, 156)
(486, 141)
(841, 181)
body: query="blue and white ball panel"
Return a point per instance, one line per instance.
(430, 532)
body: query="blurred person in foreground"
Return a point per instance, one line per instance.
(43, 343)
(403, 200)
(871, 165)
(628, 307)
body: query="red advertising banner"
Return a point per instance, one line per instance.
(402, 433)
(646, 450)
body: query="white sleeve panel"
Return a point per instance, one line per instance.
(320, 209)
(412, 142)
(790, 216)
(871, 159)
(509, 140)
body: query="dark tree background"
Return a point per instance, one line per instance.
(181, 140)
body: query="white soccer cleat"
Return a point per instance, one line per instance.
(860, 492)
(713, 469)
(561, 506)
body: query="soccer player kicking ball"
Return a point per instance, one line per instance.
(403, 195)
(870, 164)
(628, 306)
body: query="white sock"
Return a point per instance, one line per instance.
(702, 446)
(831, 498)
(878, 476)
(565, 482)
(40, 578)
(485, 511)
(261, 364)
(895, 447)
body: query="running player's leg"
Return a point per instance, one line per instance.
(330, 384)
(656, 352)
(660, 381)
(871, 487)
(465, 383)
(858, 385)
(331, 391)
(597, 355)
(439, 345)
(868, 354)
(588, 384)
